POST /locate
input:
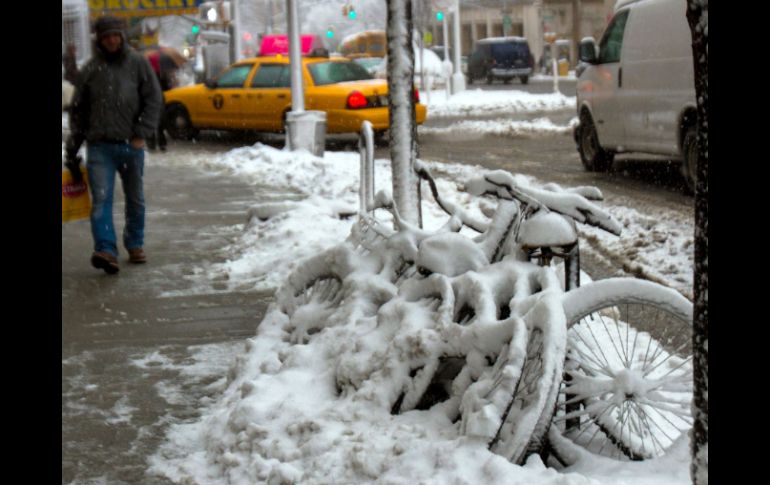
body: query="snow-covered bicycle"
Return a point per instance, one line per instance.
(519, 359)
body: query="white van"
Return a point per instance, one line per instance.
(637, 93)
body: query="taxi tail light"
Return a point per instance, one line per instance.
(416, 95)
(356, 100)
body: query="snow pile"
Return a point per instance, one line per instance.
(502, 127)
(355, 334)
(475, 102)
(311, 400)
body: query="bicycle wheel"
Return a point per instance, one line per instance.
(628, 387)
(528, 417)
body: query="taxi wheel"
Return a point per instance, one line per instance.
(178, 123)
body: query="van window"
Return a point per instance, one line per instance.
(612, 41)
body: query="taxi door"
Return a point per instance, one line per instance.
(268, 96)
(223, 101)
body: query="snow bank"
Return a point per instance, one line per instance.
(310, 399)
(475, 102)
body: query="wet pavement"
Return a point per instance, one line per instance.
(150, 346)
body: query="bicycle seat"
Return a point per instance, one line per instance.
(450, 254)
(546, 229)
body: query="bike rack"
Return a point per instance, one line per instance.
(366, 149)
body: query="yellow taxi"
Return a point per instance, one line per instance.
(255, 94)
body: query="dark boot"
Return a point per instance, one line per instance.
(105, 261)
(137, 256)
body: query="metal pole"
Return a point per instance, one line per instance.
(445, 26)
(446, 73)
(237, 30)
(458, 80)
(555, 67)
(295, 59)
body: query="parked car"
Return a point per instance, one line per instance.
(255, 94)
(500, 58)
(637, 93)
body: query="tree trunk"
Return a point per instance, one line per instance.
(403, 129)
(697, 17)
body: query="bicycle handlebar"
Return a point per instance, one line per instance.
(502, 185)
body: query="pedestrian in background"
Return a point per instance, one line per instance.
(70, 64)
(165, 71)
(115, 108)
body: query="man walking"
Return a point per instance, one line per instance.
(116, 106)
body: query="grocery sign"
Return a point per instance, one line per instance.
(143, 8)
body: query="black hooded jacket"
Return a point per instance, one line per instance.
(117, 97)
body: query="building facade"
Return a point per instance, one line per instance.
(531, 19)
(76, 29)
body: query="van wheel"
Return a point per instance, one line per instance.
(178, 124)
(524, 79)
(690, 158)
(594, 157)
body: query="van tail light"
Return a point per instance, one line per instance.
(416, 95)
(356, 100)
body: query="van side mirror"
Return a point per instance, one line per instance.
(589, 51)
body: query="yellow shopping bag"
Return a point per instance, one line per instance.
(75, 199)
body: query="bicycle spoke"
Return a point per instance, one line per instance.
(647, 418)
(595, 370)
(670, 355)
(636, 337)
(645, 422)
(628, 329)
(655, 422)
(665, 400)
(598, 346)
(605, 405)
(620, 338)
(670, 409)
(609, 335)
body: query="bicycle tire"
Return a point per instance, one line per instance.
(528, 417)
(630, 349)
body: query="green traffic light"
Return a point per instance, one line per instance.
(440, 16)
(352, 15)
(196, 29)
(329, 33)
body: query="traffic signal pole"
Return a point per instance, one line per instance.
(305, 130)
(237, 30)
(295, 59)
(458, 79)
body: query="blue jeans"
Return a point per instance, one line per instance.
(104, 159)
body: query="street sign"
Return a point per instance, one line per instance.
(144, 8)
(428, 37)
